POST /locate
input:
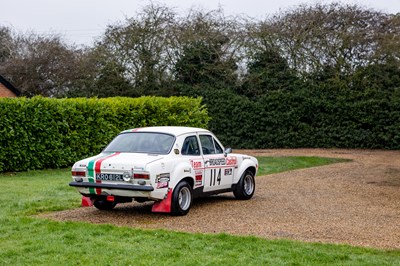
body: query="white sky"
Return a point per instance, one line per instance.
(80, 21)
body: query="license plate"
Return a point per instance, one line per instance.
(109, 177)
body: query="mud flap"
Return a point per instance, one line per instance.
(86, 202)
(164, 205)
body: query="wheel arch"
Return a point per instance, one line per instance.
(246, 165)
(183, 171)
(252, 169)
(189, 180)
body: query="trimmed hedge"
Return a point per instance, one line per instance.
(305, 118)
(40, 133)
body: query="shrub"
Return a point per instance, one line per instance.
(305, 118)
(42, 133)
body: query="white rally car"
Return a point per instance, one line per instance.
(168, 165)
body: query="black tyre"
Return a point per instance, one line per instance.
(181, 199)
(104, 205)
(246, 186)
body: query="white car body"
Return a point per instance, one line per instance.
(191, 157)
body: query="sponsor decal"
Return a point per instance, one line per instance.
(196, 164)
(199, 177)
(162, 180)
(162, 184)
(231, 160)
(228, 171)
(215, 162)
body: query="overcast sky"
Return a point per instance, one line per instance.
(80, 21)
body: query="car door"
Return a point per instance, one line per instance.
(217, 174)
(191, 151)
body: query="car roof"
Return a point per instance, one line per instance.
(173, 130)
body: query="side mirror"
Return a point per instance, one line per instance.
(227, 150)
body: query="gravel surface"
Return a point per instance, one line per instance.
(356, 203)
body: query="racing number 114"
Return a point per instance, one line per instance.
(215, 177)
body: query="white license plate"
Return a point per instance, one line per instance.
(109, 177)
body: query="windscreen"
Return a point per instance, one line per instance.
(141, 142)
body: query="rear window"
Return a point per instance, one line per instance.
(141, 142)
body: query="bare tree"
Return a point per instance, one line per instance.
(6, 43)
(338, 36)
(42, 65)
(141, 47)
(157, 49)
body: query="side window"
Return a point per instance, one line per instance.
(218, 148)
(190, 146)
(207, 144)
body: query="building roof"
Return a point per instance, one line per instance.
(9, 86)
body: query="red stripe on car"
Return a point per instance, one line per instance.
(97, 168)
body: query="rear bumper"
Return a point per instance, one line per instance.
(111, 186)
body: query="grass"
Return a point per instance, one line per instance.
(272, 165)
(27, 240)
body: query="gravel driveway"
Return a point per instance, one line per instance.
(357, 203)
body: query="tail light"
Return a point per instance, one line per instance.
(79, 173)
(141, 176)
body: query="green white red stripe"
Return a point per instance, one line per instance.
(94, 167)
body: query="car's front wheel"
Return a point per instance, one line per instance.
(182, 198)
(104, 205)
(245, 188)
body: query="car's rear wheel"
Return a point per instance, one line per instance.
(182, 198)
(245, 188)
(104, 205)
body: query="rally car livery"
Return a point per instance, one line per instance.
(167, 165)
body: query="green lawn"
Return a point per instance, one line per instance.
(271, 165)
(26, 240)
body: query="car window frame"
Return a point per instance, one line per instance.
(198, 144)
(213, 139)
(219, 144)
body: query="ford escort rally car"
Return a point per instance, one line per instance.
(167, 165)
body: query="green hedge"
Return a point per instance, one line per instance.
(305, 118)
(39, 133)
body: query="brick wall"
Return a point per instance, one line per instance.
(4, 92)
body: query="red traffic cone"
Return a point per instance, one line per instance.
(86, 202)
(164, 205)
